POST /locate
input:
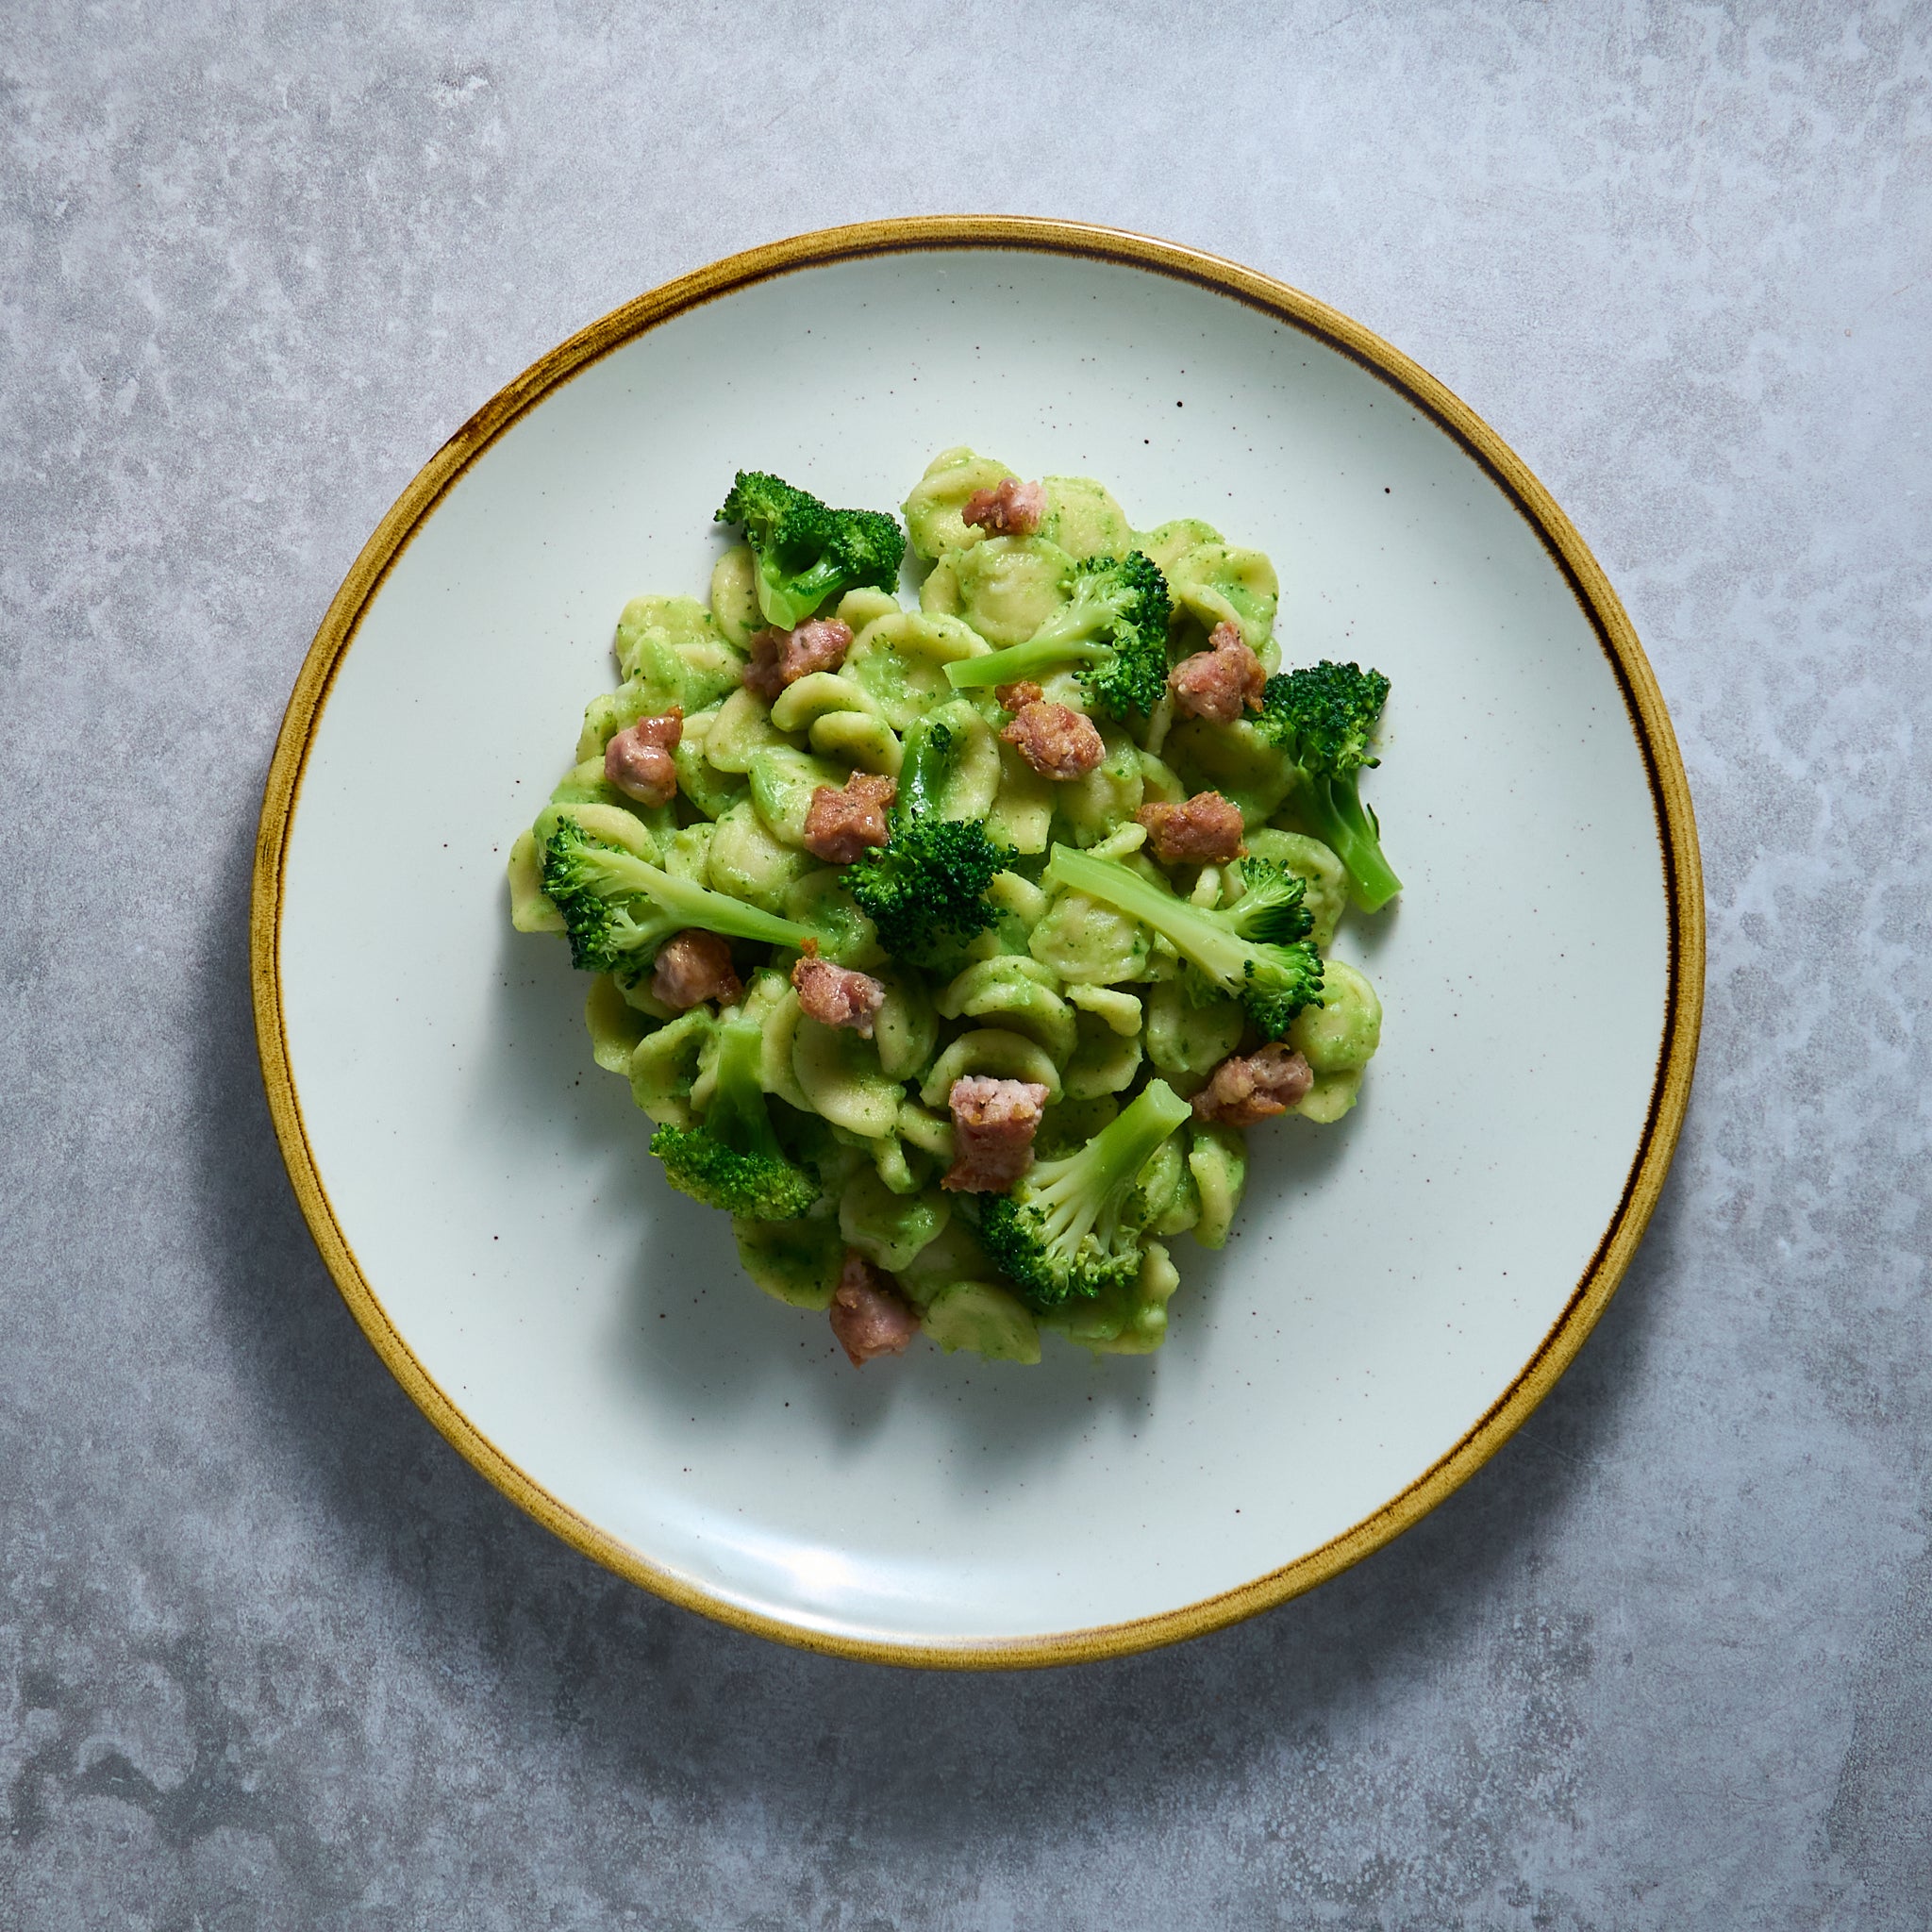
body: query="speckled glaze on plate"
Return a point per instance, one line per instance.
(1402, 1289)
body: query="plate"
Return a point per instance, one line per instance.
(1402, 1289)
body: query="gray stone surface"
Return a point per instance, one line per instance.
(271, 1657)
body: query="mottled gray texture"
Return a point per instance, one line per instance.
(270, 1657)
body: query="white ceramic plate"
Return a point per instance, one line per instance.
(1403, 1287)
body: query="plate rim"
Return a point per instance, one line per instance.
(1675, 829)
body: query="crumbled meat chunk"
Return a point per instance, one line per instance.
(841, 825)
(1244, 1088)
(993, 1125)
(868, 1316)
(694, 966)
(1012, 697)
(1054, 739)
(779, 658)
(1206, 830)
(1221, 682)
(836, 996)
(1009, 508)
(637, 761)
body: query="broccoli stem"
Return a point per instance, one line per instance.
(927, 765)
(1078, 1190)
(737, 1115)
(692, 905)
(1039, 652)
(787, 600)
(1207, 941)
(1333, 811)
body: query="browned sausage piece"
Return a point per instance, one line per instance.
(638, 760)
(694, 966)
(1054, 739)
(1013, 696)
(841, 825)
(1206, 830)
(993, 1125)
(779, 658)
(834, 995)
(868, 1317)
(1244, 1088)
(1009, 508)
(1221, 682)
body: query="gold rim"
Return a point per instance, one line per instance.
(1677, 838)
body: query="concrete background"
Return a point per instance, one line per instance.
(271, 1657)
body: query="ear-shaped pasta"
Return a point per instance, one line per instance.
(742, 727)
(864, 605)
(777, 1072)
(846, 936)
(984, 1318)
(994, 1051)
(1083, 518)
(841, 719)
(797, 1262)
(1007, 587)
(608, 825)
(782, 784)
(530, 910)
(1014, 993)
(953, 1255)
(1086, 941)
(932, 1133)
(1104, 1061)
(1022, 811)
(615, 1027)
(712, 791)
(1342, 1033)
(890, 1228)
(1233, 761)
(905, 1029)
(1169, 541)
(1120, 1010)
(1222, 583)
(664, 1067)
(900, 661)
(1095, 805)
(1186, 1039)
(933, 512)
(842, 1079)
(1160, 1185)
(746, 861)
(1218, 1160)
(735, 597)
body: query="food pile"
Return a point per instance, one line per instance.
(955, 950)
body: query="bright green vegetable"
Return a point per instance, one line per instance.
(1059, 1235)
(618, 910)
(1322, 719)
(1254, 949)
(1113, 631)
(807, 551)
(732, 1159)
(925, 889)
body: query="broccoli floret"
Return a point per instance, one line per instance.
(925, 888)
(1257, 949)
(618, 909)
(1115, 629)
(732, 1158)
(1321, 718)
(1060, 1234)
(806, 551)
